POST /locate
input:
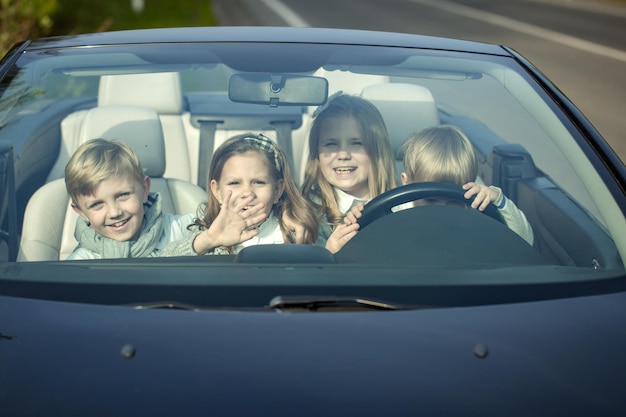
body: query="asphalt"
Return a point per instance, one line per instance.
(235, 13)
(254, 13)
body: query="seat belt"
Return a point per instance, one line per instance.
(284, 139)
(205, 151)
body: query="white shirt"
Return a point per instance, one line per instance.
(346, 201)
(269, 234)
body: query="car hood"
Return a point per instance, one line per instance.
(538, 358)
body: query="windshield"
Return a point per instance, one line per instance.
(295, 168)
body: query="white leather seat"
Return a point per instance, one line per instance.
(48, 227)
(406, 109)
(161, 92)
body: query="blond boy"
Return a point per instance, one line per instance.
(118, 216)
(444, 154)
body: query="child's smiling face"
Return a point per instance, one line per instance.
(344, 161)
(248, 174)
(115, 209)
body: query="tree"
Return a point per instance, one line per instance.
(23, 19)
(31, 19)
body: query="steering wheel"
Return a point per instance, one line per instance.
(382, 205)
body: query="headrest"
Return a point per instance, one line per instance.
(349, 82)
(160, 91)
(406, 109)
(138, 127)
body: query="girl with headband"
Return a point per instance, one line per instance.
(250, 192)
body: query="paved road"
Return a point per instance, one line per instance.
(578, 44)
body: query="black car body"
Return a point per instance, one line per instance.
(436, 310)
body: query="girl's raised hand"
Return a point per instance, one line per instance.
(234, 224)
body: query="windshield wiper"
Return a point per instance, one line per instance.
(294, 303)
(168, 305)
(330, 303)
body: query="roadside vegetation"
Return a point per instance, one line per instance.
(29, 19)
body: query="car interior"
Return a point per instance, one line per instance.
(175, 132)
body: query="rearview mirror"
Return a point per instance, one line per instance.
(278, 89)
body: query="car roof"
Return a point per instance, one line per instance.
(267, 34)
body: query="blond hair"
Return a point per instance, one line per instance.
(290, 202)
(97, 160)
(442, 153)
(377, 145)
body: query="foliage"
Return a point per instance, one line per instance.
(79, 16)
(29, 19)
(24, 19)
